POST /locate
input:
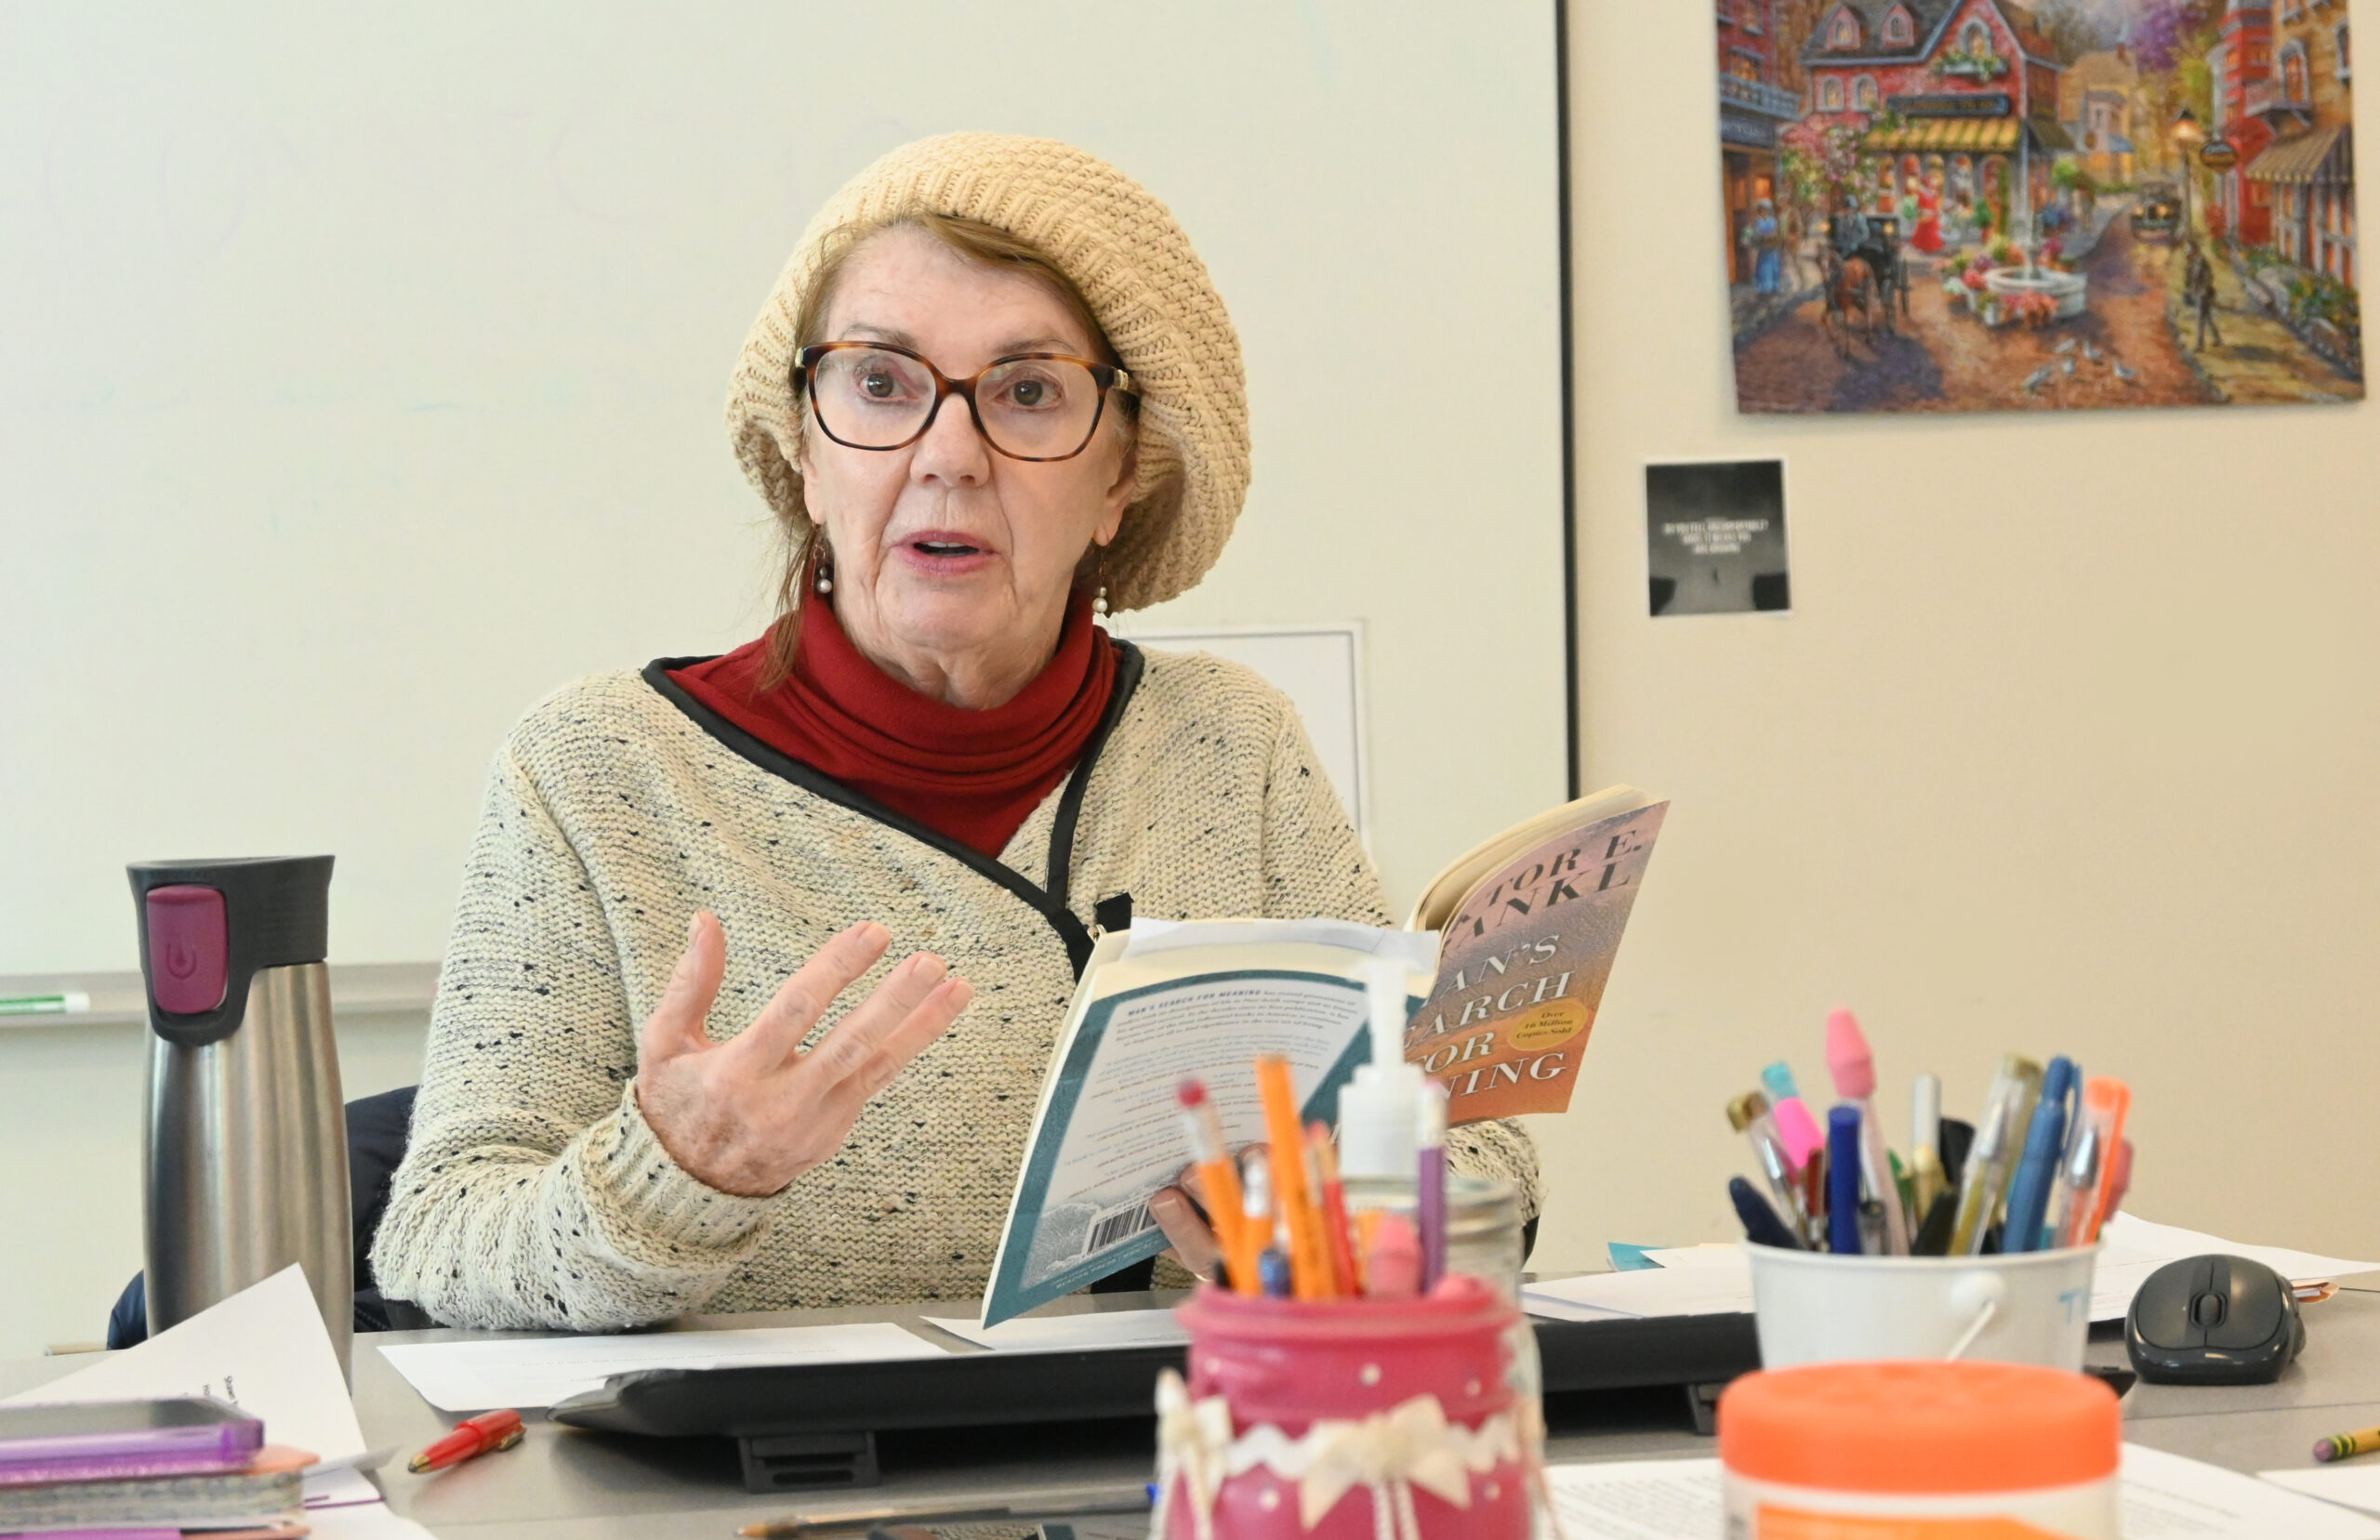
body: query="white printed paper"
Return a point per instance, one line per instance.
(1089, 1330)
(537, 1372)
(1638, 1500)
(2165, 1498)
(2355, 1486)
(2170, 1496)
(265, 1350)
(2132, 1248)
(1714, 1285)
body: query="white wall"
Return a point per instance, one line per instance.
(2069, 744)
(363, 378)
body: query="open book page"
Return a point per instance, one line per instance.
(1523, 963)
(1106, 1134)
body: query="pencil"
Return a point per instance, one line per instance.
(1309, 1258)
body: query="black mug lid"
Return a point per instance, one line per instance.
(207, 926)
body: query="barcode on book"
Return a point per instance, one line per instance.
(1122, 1224)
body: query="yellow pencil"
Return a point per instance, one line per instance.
(1309, 1255)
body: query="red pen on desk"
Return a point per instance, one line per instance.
(473, 1437)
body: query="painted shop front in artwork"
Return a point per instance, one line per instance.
(1976, 205)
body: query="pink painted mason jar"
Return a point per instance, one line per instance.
(1353, 1419)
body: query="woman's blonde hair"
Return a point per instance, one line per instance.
(985, 245)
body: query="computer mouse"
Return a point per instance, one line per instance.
(2213, 1321)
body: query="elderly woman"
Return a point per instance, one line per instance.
(759, 958)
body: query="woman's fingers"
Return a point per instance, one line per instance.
(871, 1023)
(775, 1035)
(844, 1099)
(676, 1025)
(1193, 1242)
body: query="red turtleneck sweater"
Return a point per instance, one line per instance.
(970, 776)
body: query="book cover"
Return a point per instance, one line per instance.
(1522, 965)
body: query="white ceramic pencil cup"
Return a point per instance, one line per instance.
(1815, 1307)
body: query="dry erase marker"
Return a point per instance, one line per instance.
(1988, 1163)
(72, 1002)
(2120, 1183)
(2107, 1103)
(1842, 1181)
(1853, 1065)
(1309, 1258)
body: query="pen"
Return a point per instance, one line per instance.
(1309, 1258)
(1986, 1180)
(2107, 1103)
(1749, 1116)
(1761, 1227)
(1958, 1137)
(2037, 1172)
(2078, 1181)
(2340, 1447)
(468, 1439)
(1432, 1192)
(800, 1526)
(1853, 1064)
(1344, 1272)
(1218, 1183)
(1925, 1140)
(1842, 1181)
(1933, 1233)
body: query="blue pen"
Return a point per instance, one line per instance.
(2028, 1194)
(1761, 1227)
(1842, 1181)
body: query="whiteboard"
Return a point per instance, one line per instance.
(364, 368)
(1320, 668)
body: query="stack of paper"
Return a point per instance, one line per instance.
(526, 1372)
(1714, 1280)
(1090, 1329)
(265, 1351)
(2163, 1495)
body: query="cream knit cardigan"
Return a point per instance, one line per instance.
(533, 1194)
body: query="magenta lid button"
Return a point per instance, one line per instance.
(189, 949)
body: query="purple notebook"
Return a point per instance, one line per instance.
(116, 1439)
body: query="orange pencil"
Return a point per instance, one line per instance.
(1218, 1186)
(1309, 1257)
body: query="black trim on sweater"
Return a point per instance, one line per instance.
(1050, 905)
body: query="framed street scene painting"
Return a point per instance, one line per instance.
(1968, 206)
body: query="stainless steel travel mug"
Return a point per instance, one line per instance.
(247, 1130)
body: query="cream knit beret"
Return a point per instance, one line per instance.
(1135, 267)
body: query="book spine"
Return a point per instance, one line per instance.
(125, 1467)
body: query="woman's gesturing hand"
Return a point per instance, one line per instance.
(748, 1115)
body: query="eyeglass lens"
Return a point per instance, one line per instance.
(1037, 408)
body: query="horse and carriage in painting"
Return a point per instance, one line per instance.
(1863, 277)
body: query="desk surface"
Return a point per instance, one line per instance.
(584, 1487)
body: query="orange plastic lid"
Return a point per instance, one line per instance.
(1920, 1428)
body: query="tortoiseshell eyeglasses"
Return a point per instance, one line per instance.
(1028, 406)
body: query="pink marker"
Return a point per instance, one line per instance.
(1799, 1130)
(1854, 1068)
